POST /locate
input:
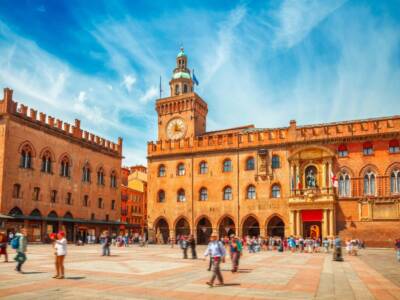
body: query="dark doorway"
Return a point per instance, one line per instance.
(276, 227)
(162, 231)
(182, 228)
(204, 230)
(251, 227)
(312, 229)
(226, 227)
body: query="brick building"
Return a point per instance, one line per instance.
(270, 181)
(134, 199)
(55, 176)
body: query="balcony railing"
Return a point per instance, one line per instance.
(314, 191)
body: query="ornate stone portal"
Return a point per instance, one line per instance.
(312, 197)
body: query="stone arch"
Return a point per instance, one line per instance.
(182, 226)
(275, 226)
(345, 169)
(68, 215)
(65, 154)
(203, 230)
(161, 229)
(36, 213)
(52, 214)
(30, 145)
(391, 167)
(226, 226)
(250, 225)
(16, 211)
(48, 149)
(328, 152)
(369, 167)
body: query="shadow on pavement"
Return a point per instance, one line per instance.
(75, 278)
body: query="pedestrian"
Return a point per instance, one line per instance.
(192, 244)
(184, 246)
(217, 251)
(106, 244)
(235, 248)
(397, 246)
(3, 245)
(20, 244)
(337, 252)
(10, 237)
(325, 244)
(60, 247)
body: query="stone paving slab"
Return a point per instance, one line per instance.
(159, 272)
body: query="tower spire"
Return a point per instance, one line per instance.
(181, 81)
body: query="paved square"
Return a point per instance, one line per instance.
(159, 272)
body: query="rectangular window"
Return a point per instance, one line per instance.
(100, 203)
(36, 193)
(112, 204)
(107, 217)
(68, 200)
(86, 201)
(53, 196)
(16, 190)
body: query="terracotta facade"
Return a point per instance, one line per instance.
(55, 176)
(315, 180)
(134, 200)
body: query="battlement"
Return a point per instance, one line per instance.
(9, 106)
(184, 102)
(255, 137)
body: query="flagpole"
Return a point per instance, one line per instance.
(160, 88)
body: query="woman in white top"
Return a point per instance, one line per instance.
(60, 246)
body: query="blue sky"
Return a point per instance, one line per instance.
(258, 62)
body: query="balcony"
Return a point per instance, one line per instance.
(312, 196)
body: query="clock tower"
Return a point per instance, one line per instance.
(183, 114)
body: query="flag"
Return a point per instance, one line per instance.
(194, 78)
(335, 182)
(299, 185)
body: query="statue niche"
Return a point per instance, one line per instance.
(311, 177)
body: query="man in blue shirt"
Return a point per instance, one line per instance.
(217, 252)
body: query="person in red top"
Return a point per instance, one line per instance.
(3, 245)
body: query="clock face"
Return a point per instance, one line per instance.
(176, 129)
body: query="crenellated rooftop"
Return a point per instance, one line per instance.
(250, 137)
(9, 106)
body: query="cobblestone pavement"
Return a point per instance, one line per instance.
(159, 272)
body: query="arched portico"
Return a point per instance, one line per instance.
(275, 227)
(203, 230)
(161, 229)
(226, 227)
(251, 226)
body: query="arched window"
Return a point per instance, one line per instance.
(251, 192)
(65, 164)
(26, 157)
(100, 176)
(181, 195)
(250, 165)
(161, 171)
(86, 173)
(177, 89)
(394, 146)
(203, 194)
(16, 190)
(369, 183)
(227, 167)
(276, 191)
(368, 148)
(344, 185)
(46, 162)
(227, 193)
(395, 181)
(180, 169)
(203, 167)
(185, 88)
(161, 196)
(342, 150)
(276, 164)
(113, 179)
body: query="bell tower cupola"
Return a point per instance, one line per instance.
(181, 82)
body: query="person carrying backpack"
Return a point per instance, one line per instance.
(20, 244)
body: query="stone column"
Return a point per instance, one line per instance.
(323, 175)
(329, 174)
(291, 222)
(298, 223)
(331, 223)
(292, 178)
(325, 223)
